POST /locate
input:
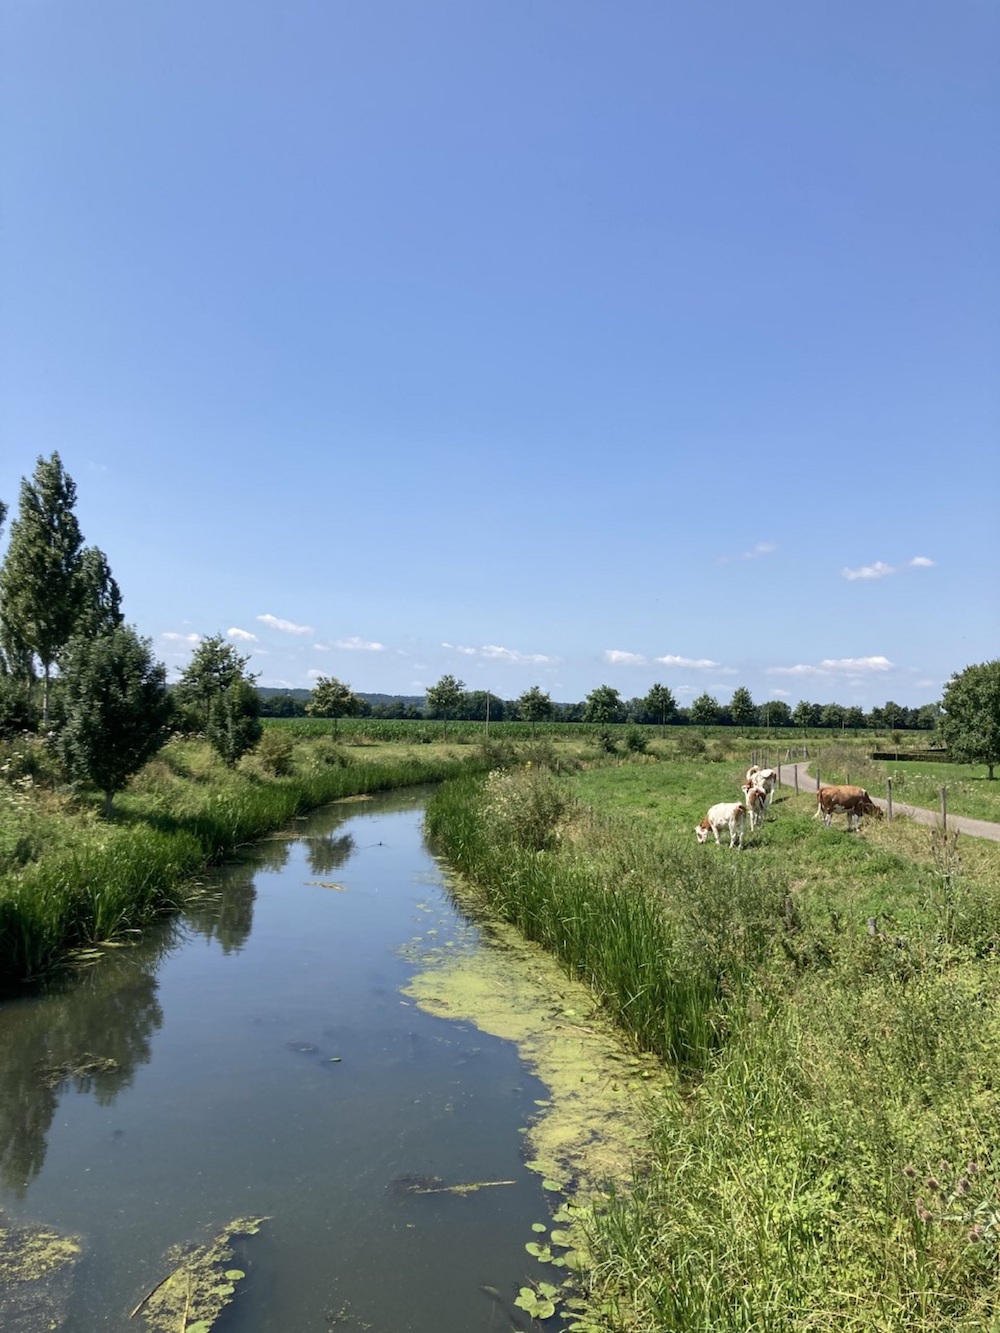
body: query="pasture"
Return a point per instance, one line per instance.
(830, 1003)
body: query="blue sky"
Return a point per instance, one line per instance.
(541, 343)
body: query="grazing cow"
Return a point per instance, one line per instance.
(728, 814)
(755, 800)
(853, 801)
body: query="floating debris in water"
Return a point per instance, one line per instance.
(84, 1067)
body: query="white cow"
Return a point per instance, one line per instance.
(766, 779)
(727, 814)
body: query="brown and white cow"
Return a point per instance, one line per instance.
(853, 801)
(755, 800)
(764, 778)
(727, 814)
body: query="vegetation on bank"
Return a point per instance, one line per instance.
(69, 878)
(831, 1006)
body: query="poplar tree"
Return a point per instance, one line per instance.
(40, 588)
(100, 597)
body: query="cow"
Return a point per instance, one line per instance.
(727, 814)
(755, 800)
(764, 778)
(853, 801)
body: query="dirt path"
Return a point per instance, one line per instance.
(976, 828)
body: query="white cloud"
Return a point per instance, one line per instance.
(243, 635)
(359, 645)
(782, 694)
(510, 655)
(877, 571)
(618, 658)
(702, 663)
(494, 653)
(275, 683)
(835, 666)
(851, 665)
(313, 674)
(755, 553)
(286, 626)
(171, 637)
(880, 569)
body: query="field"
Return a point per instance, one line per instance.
(830, 1003)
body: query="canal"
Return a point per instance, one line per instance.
(259, 1057)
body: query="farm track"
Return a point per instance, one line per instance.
(975, 828)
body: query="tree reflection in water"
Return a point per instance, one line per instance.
(327, 852)
(89, 1034)
(226, 915)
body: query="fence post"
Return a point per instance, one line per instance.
(818, 780)
(888, 784)
(795, 770)
(944, 809)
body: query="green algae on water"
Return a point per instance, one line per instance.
(200, 1285)
(37, 1267)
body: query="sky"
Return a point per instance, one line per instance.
(535, 342)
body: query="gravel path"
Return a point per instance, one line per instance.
(976, 828)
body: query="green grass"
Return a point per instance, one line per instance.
(828, 1159)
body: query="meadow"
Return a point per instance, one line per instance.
(830, 1004)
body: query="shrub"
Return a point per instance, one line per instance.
(606, 741)
(689, 746)
(274, 752)
(636, 740)
(523, 807)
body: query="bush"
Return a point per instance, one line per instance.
(523, 807)
(689, 747)
(274, 752)
(17, 712)
(636, 740)
(606, 741)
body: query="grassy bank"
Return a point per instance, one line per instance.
(831, 1005)
(69, 878)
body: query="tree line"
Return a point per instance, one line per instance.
(73, 670)
(450, 700)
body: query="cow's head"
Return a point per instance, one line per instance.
(703, 830)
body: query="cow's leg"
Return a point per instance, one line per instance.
(828, 817)
(715, 830)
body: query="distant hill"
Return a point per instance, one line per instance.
(303, 696)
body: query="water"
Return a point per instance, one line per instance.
(266, 1063)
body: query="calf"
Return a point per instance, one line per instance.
(853, 801)
(755, 800)
(727, 814)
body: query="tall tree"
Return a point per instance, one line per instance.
(333, 698)
(705, 710)
(971, 720)
(40, 587)
(659, 705)
(604, 705)
(444, 698)
(215, 667)
(115, 708)
(535, 705)
(100, 609)
(742, 708)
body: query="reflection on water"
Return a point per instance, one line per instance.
(88, 1036)
(257, 1057)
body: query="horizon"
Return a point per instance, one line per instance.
(557, 347)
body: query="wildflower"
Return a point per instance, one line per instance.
(972, 1169)
(933, 1184)
(922, 1211)
(910, 1171)
(976, 1233)
(963, 1186)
